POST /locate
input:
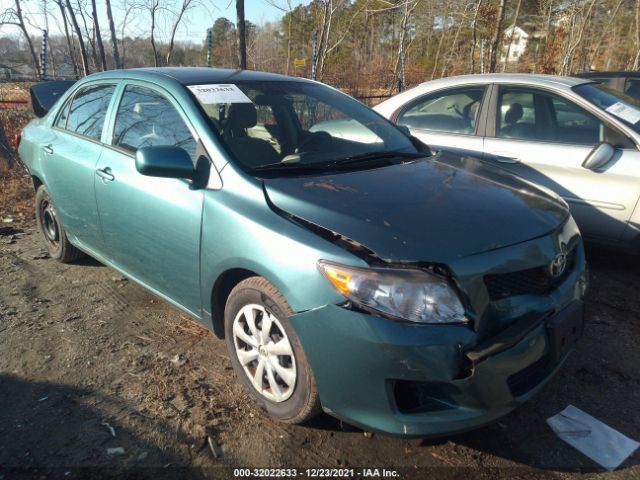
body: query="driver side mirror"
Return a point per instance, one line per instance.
(599, 156)
(166, 162)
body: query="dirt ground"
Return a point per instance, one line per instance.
(100, 378)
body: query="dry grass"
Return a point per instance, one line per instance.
(16, 197)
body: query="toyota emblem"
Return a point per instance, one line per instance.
(558, 265)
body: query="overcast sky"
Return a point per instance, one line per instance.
(194, 28)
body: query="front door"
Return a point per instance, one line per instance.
(150, 225)
(545, 138)
(446, 119)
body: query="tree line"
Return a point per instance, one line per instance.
(360, 45)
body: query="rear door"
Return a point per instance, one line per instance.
(545, 137)
(70, 158)
(447, 118)
(151, 225)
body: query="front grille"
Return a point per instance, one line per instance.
(533, 281)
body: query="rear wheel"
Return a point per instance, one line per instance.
(266, 352)
(55, 238)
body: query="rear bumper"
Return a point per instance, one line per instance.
(412, 380)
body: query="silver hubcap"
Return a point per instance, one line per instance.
(265, 353)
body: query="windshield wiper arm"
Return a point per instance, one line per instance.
(372, 156)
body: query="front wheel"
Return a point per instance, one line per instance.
(55, 238)
(266, 352)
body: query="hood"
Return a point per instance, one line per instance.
(437, 209)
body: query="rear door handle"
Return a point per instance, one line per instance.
(105, 174)
(48, 150)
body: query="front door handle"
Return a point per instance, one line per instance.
(105, 174)
(48, 150)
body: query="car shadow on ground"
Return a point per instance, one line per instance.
(60, 431)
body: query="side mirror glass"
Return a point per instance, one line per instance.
(167, 162)
(599, 156)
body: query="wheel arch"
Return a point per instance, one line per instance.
(36, 182)
(220, 291)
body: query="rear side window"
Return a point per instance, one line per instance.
(147, 119)
(88, 110)
(453, 111)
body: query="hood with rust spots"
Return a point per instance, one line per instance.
(435, 209)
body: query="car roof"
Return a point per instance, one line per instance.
(525, 78)
(194, 75)
(619, 73)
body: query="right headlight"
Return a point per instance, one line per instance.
(407, 294)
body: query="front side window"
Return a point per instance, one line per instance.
(621, 106)
(89, 109)
(536, 115)
(145, 118)
(453, 111)
(284, 124)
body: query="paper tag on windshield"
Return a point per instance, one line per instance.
(625, 112)
(219, 93)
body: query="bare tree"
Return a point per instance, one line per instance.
(185, 6)
(76, 27)
(636, 60)
(96, 30)
(67, 36)
(114, 38)
(511, 33)
(497, 35)
(14, 16)
(154, 8)
(576, 33)
(606, 31)
(475, 35)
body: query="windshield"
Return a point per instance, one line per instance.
(284, 124)
(618, 104)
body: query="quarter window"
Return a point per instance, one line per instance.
(453, 111)
(147, 119)
(528, 114)
(88, 110)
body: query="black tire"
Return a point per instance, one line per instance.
(55, 238)
(304, 402)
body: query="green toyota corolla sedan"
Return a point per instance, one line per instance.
(404, 292)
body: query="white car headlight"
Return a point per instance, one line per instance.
(407, 294)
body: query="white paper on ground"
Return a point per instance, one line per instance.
(219, 93)
(625, 112)
(598, 441)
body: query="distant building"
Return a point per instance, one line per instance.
(519, 39)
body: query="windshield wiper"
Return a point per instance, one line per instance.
(341, 162)
(375, 156)
(289, 166)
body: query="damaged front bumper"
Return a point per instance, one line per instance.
(417, 380)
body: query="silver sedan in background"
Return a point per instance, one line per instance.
(579, 138)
